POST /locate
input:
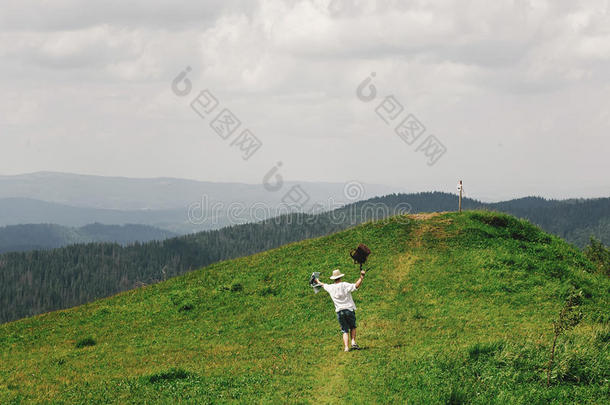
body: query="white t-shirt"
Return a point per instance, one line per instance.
(341, 294)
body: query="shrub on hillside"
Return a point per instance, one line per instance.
(88, 341)
(169, 375)
(481, 349)
(269, 291)
(569, 317)
(457, 396)
(184, 300)
(186, 306)
(599, 255)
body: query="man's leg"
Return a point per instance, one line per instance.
(346, 341)
(352, 328)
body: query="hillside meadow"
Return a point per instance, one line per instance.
(457, 308)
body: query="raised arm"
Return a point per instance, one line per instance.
(359, 281)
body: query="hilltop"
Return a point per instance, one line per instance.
(457, 308)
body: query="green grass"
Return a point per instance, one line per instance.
(88, 341)
(457, 309)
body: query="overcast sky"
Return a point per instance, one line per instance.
(517, 92)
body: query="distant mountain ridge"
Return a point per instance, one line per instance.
(27, 237)
(19, 210)
(164, 193)
(178, 205)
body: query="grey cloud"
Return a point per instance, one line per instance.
(85, 88)
(33, 15)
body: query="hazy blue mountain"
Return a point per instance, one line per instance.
(122, 193)
(177, 205)
(16, 238)
(14, 211)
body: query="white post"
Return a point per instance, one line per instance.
(460, 188)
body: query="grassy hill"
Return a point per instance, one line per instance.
(458, 308)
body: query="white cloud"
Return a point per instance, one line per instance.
(497, 82)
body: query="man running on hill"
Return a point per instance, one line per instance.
(341, 294)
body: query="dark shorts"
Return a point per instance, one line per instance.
(347, 320)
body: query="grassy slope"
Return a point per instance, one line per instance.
(458, 307)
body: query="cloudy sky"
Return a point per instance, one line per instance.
(516, 93)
